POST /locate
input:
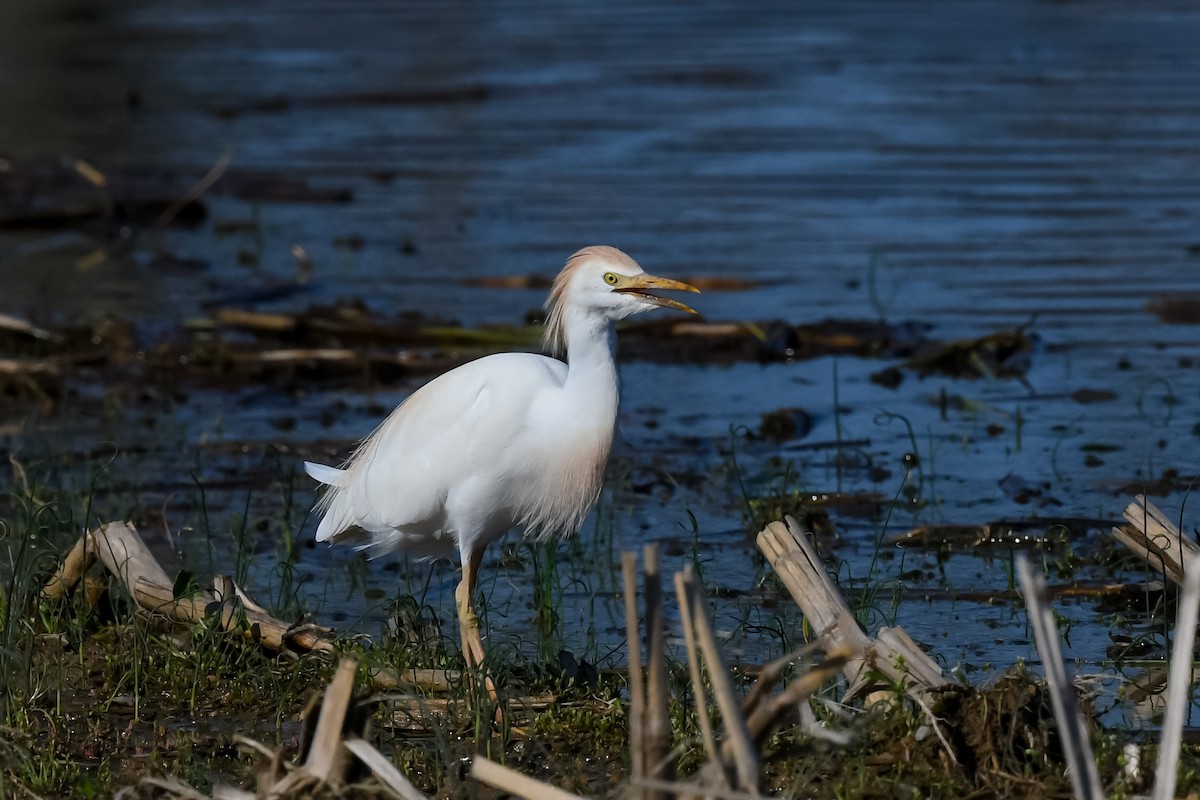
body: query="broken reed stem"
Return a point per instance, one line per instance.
(798, 564)
(127, 558)
(769, 674)
(1178, 686)
(509, 780)
(1156, 540)
(1081, 765)
(637, 752)
(325, 752)
(383, 770)
(766, 716)
(738, 739)
(693, 653)
(657, 716)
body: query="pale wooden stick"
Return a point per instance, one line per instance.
(74, 564)
(23, 367)
(16, 325)
(1178, 686)
(893, 644)
(263, 629)
(637, 691)
(434, 680)
(256, 320)
(698, 693)
(738, 739)
(299, 355)
(220, 792)
(126, 556)
(1081, 764)
(513, 782)
(658, 720)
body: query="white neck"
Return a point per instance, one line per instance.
(591, 371)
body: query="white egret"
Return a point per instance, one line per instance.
(512, 439)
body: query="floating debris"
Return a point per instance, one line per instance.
(1050, 531)
(785, 423)
(1006, 354)
(1176, 309)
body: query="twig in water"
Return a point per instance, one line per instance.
(195, 192)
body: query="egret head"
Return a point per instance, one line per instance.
(603, 281)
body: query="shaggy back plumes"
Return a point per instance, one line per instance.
(554, 338)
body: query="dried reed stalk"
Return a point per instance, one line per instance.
(327, 759)
(334, 745)
(768, 714)
(739, 744)
(1081, 764)
(1178, 687)
(657, 720)
(769, 675)
(695, 672)
(637, 691)
(383, 770)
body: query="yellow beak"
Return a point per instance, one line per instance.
(639, 284)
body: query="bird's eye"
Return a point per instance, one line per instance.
(611, 278)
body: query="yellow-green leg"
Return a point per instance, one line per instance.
(468, 622)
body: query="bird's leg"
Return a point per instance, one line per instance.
(468, 622)
(472, 643)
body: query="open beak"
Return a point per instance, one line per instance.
(642, 285)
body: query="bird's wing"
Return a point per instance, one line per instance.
(439, 437)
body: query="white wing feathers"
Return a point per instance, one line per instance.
(395, 486)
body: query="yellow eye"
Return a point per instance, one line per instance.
(611, 278)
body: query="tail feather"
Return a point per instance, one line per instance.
(330, 476)
(334, 518)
